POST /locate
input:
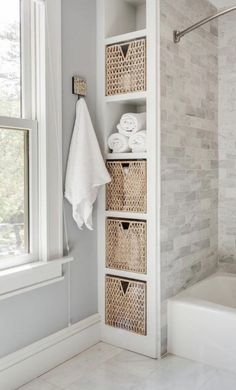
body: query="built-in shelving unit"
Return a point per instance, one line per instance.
(126, 156)
(136, 98)
(124, 274)
(126, 37)
(126, 215)
(123, 21)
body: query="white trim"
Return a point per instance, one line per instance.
(126, 274)
(153, 173)
(49, 115)
(126, 37)
(18, 280)
(33, 193)
(17, 123)
(132, 98)
(26, 59)
(127, 340)
(126, 156)
(158, 177)
(54, 124)
(126, 215)
(39, 113)
(36, 359)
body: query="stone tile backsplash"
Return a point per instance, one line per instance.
(189, 133)
(227, 142)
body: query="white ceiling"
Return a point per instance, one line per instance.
(223, 3)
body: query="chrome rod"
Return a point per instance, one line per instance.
(179, 34)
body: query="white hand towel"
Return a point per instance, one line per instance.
(138, 141)
(118, 143)
(86, 170)
(132, 123)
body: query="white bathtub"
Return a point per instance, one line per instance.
(202, 322)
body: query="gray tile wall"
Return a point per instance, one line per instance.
(189, 121)
(227, 141)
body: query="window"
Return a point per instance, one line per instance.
(18, 137)
(14, 202)
(31, 219)
(31, 196)
(10, 58)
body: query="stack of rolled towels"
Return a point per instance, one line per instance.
(131, 136)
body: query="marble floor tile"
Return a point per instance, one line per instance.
(104, 367)
(130, 363)
(104, 378)
(173, 373)
(39, 384)
(81, 365)
(220, 381)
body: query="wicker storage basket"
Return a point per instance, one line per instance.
(126, 304)
(126, 67)
(127, 190)
(126, 245)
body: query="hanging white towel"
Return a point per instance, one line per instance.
(118, 143)
(86, 170)
(132, 123)
(138, 141)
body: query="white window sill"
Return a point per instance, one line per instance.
(18, 280)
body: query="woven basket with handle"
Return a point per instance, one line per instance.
(127, 190)
(126, 245)
(126, 304)
(126, 67)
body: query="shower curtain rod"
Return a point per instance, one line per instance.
(179, 34)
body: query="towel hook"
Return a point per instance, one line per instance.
(79, 86)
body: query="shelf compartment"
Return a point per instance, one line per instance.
(114, 112)
(126, 156)
(126, 215)
(127, 274)
(126, 245)
(126, 67)
(124, 16)
(126, 304)
(127, 190)
(126, 37)
(137, 98)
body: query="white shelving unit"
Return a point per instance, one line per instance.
(126, 37)
(137, 98)
(126, 156)
(121, 21)
(125, 215)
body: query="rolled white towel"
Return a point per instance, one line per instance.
(132, 123)
(138, 141)
(118, 143)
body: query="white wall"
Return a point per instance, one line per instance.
(79, 57)
(32, 316)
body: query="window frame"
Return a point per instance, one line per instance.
(27, 60)
(25, 122)
(43, 119)
(48, 111)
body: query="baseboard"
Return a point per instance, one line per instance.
(28, 363)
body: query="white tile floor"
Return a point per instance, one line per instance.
(104, 367)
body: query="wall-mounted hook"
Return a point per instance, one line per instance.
(79, 86)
